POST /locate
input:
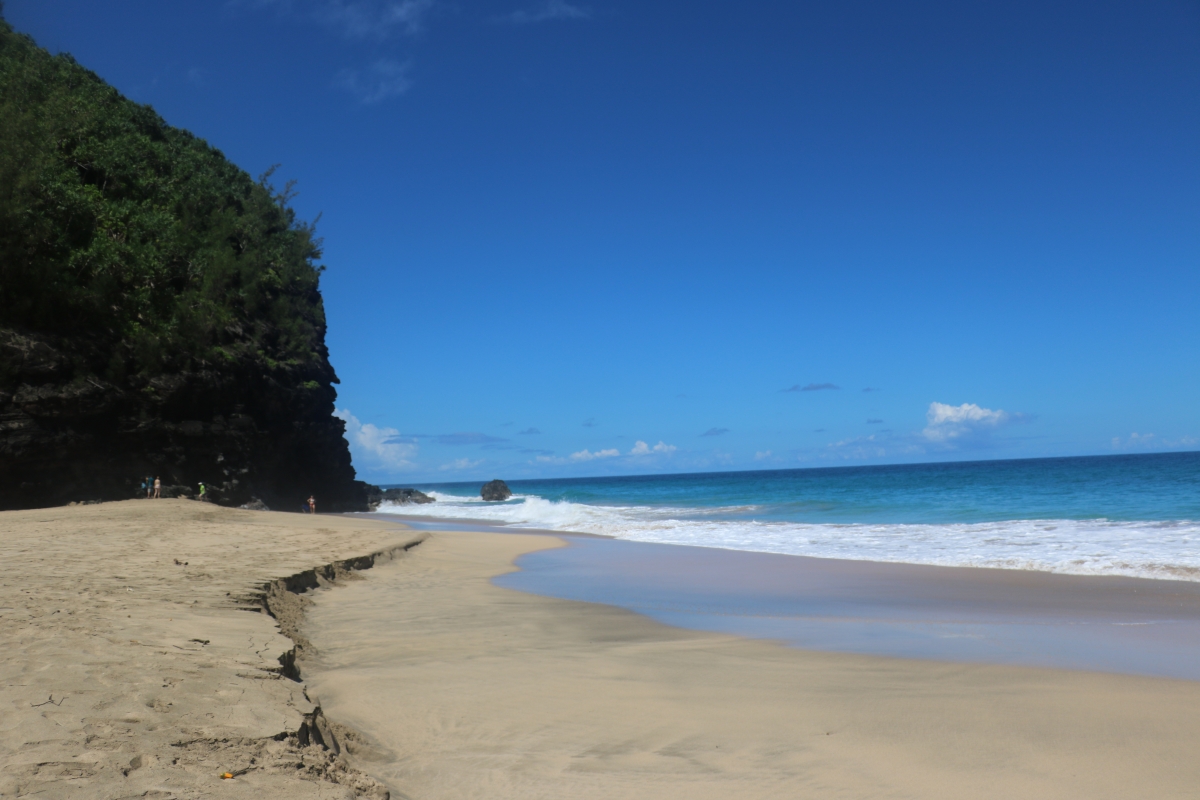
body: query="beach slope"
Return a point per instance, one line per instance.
(136, 659)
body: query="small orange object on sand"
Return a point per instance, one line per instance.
(226, 776)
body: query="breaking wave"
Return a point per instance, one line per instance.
(1168, 549)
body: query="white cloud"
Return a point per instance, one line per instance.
(372, 447)
(1144, 441)
(355, 18)
(372, 19)
(382, 80)
(761, 454)
(461, 463)
(407, 14)
(643, 449)
(946, 423)
(547, 11)
(883, 444)
(585, 455)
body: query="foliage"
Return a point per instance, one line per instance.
(139, 238)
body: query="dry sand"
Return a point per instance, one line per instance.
(467, 690)
(130, 667)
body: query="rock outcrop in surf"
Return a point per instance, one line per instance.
(495, 491)
(401, 497)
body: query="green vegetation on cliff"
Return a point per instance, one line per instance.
(159, 308)
(140, 236)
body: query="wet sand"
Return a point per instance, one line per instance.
(465, 689)
(136, 660)
(999, 616)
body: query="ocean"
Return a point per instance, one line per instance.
(1133, 515)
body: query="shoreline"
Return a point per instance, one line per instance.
(1104, 623)
(464, 688)
(130, 665)
(429, 523)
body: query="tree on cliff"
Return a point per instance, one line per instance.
(159, 308)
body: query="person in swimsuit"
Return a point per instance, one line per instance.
(157, 488)
(312, 504)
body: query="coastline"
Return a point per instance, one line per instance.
(463, 688)
(131, 668)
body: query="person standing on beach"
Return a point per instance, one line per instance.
(148, 485)
(312, 504)
(157, 487)
(202, 493)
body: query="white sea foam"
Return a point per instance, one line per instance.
(1167, 549)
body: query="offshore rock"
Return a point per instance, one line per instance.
(495, 491)
(400, 497)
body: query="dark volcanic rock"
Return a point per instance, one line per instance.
(66, 435)
(401, 497)
(495, 491)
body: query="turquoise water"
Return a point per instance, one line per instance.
(1130, 514)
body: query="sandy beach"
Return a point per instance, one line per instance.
(467, 690)
(136, 660)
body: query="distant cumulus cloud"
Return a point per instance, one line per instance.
(376, 447)
(587, 455)
(381, 81)
(547, 12)
(715, 431)
(1148, 441)
(528, 432)
(812, 387)
(946, 423)
(865, 447)
(761, 454)
(642, 449)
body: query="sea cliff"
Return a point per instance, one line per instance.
(160, 312)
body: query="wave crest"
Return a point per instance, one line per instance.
(1148, 549)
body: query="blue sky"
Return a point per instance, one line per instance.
(582, 238)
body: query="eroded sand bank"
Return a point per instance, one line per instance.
(135, 660)
(467, 690)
